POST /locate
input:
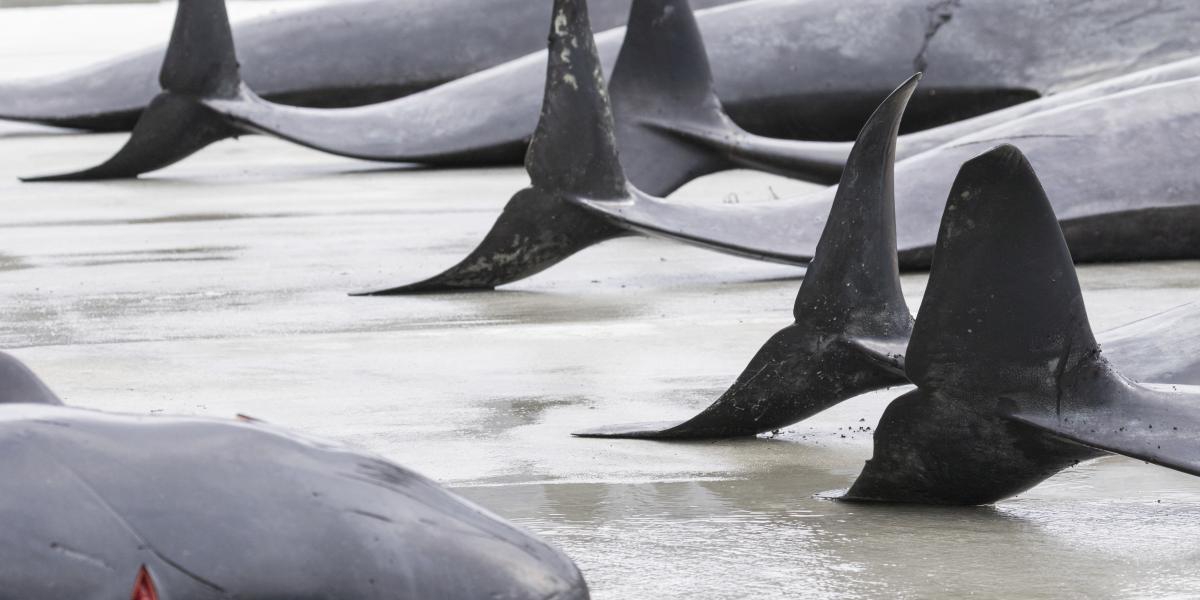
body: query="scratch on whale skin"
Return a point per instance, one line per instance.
(940, 13)
(143, 543)
(80, 556)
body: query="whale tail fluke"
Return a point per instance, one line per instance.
(1012, 386)
(572, 155)
(852, 322)
(200, 62)
(662, 83)
(1006, 315)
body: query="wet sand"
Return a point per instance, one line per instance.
(218, 287)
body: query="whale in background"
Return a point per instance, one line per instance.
(805, 69)
(337, 53)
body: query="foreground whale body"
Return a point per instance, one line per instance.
(341, 53)
(835, 76)
(97, 505)
(671, 127)
(1011, 384)
(1111, 209)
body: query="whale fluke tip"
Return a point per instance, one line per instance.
(631, 431)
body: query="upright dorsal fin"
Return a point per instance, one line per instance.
(573, 150)
(1003, 309)
(201, 60)
(854, 278)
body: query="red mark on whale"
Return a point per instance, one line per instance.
(143, 588)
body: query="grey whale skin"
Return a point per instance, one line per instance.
(1119, 169)
(839, 58)
(216, 509)
(852, 325)
(338, 53)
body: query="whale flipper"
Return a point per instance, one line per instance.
(572, 155)
(1011, 383)
(851, 320)
(200, 62)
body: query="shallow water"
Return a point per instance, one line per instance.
(218, 287)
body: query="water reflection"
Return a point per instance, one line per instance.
(770, 537)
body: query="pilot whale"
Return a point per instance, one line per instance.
(100, 505)
(1012, 386)
(836, 71)
(852, 325)
(1123, 191)
(340, 53)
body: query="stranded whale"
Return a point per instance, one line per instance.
(100, 505)
(1122, 191)
(836, 72)
(339, 53)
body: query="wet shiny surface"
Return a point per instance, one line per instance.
(219, 287)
